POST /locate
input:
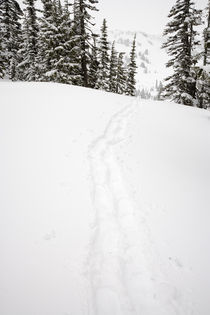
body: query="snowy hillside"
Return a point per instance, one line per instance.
(151, 59)
(104, 205)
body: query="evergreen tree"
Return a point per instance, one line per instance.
(159, 88)
(23, 64)
(82, 9)
(29, 47)
(113, 69)
(180, 43)
(2, 62)
(76, 16)
(207, 38)
(121, 75)
(2, 53)
(203, 88)
(104, 63)
(203, 80)
(45, 40)
(93, 64)
(58, 50)
(131, 82)
(10, 34)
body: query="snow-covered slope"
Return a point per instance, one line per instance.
(104, 204)
(151, 59)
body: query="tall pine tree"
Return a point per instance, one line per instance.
(203, 81)
(207, 38)
(103, 70)
(10, 34)
(83, 19)
(58, 51)
(46, 39)
(2, 52)
(180, 43)
(30, 44)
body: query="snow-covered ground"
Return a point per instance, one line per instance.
(104, 204)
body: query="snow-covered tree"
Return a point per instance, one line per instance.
(113, 69)
(203, 76)
(29, 47)
(93, 72)
(59, 58)
(203, 87)
(46, 40)
(104, 62)
(131, 82)
(121, 75)
(83, 9)
(2, 52)
(76, 16)
(207, 38)
(10, 34)
(180, 44)
(2, 62)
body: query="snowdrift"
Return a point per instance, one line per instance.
(104, 204)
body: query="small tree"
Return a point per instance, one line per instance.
(113, 69)
(131, 82)
(104, 63)
(121, 75)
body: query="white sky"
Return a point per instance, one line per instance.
(145, 15)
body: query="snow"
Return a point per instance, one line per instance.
(206, 68)
(104, 203)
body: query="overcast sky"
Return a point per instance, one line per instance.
(145, 15)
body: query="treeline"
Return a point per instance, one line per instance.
(189, 83)
(58, 44)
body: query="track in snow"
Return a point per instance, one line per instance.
(125, 273)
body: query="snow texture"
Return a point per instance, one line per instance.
(104, 204)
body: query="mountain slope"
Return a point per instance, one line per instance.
(151, 59)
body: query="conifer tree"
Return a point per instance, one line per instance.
(113, 69)
(58, 50)
(23, 64)
(30, 41)
(82, 9)
(46, 40)
(2, 53)
(76, 16)
(180, 43)
(2, 62)
(121, 75)
(207, 38)
(10, 34)
(104, 63)
(93, 64)
(203, 81)
(131, 82)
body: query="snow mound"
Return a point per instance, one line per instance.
(104, 204)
